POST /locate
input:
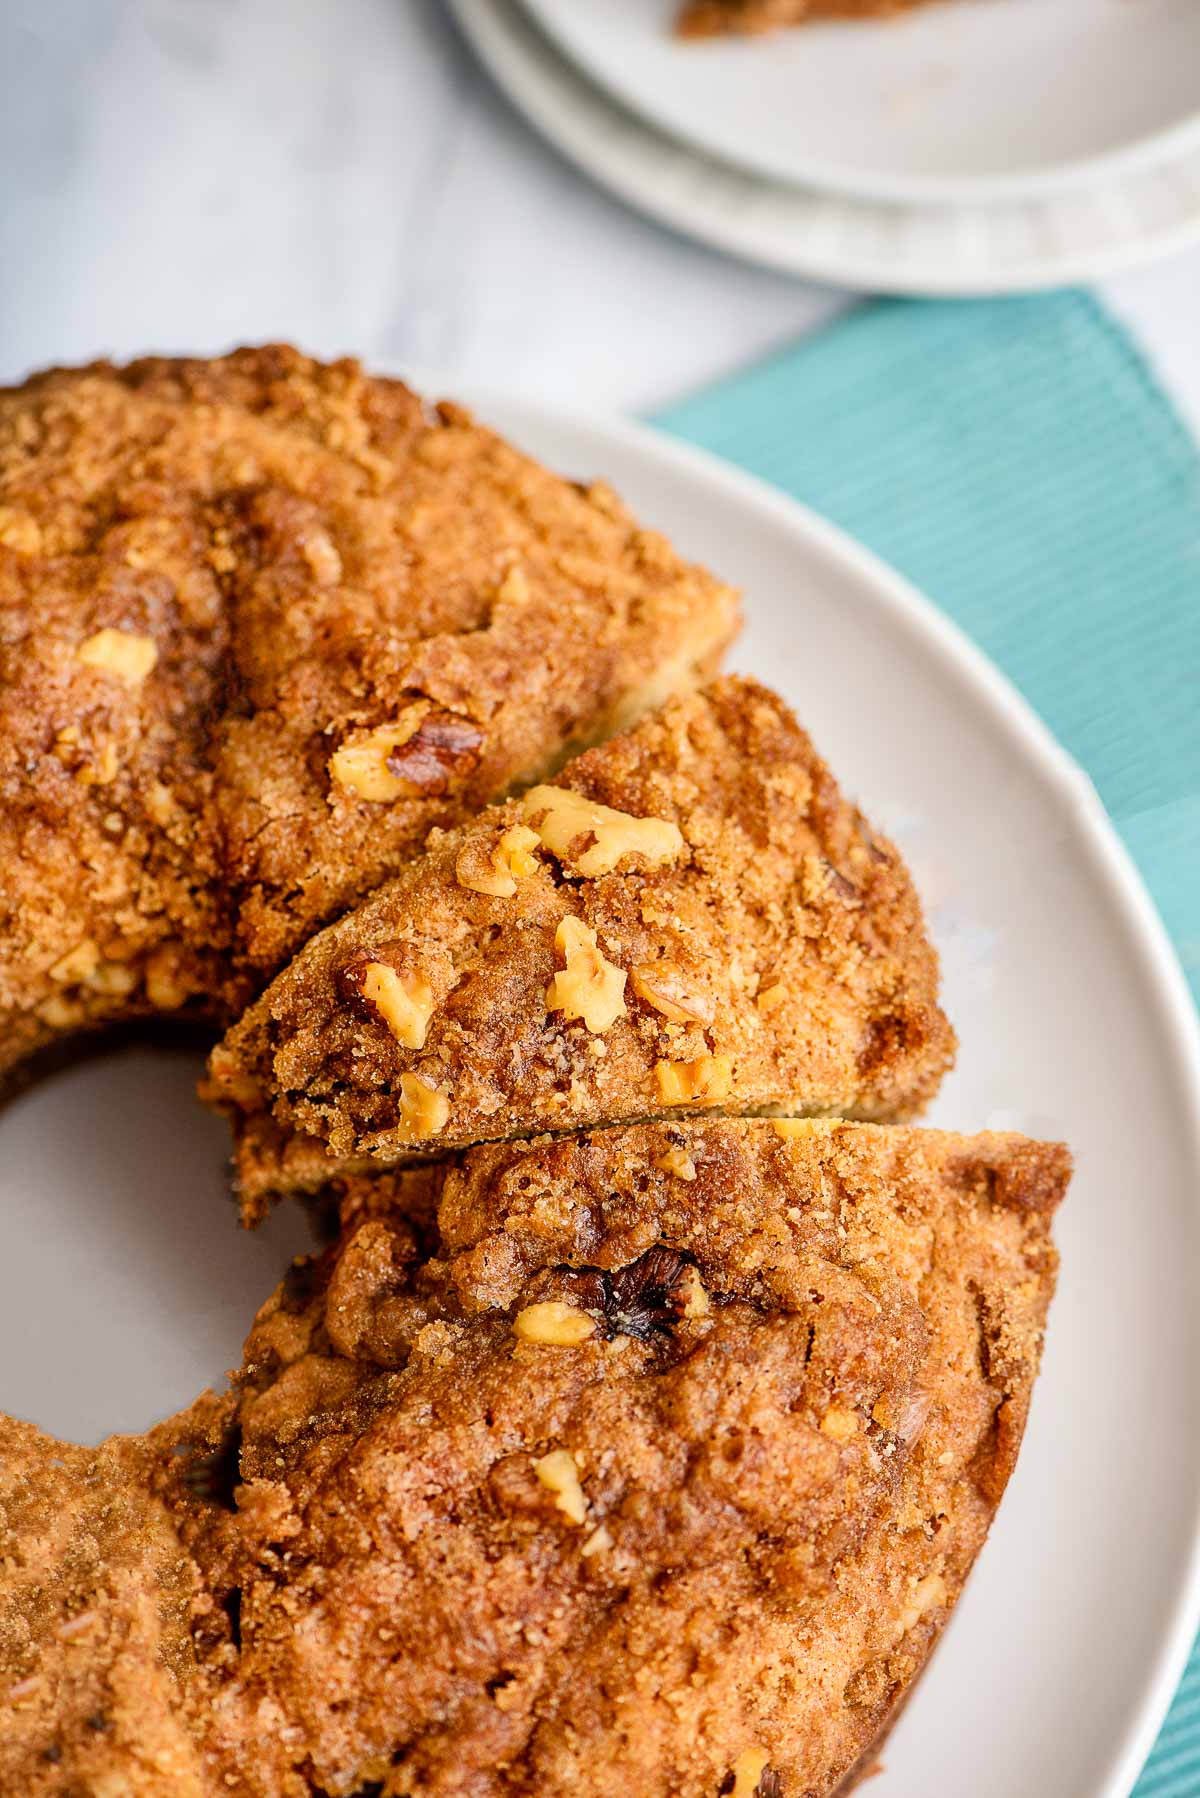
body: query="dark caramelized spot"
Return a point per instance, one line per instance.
(889, 1039)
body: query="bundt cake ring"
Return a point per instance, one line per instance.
(633, 1439)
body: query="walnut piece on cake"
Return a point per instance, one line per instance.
(602, 1467)
(694, 919)
(263, 622)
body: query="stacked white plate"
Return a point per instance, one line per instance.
(978, 146)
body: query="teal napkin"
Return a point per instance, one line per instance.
(1016, 460)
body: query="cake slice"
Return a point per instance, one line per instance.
(675, 1455)
(715, 18)
(691, 917)
(265, 622)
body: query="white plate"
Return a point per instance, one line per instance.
(985, 249)
(117, 1286)
(983, 99)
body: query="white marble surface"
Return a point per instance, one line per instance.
(183, 174)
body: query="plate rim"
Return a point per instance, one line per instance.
(1096, 837)
(1043, 181)
(495, 29)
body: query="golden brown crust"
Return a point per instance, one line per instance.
(97, 1604)
(670, 1445)
(767, 952)
(218, 582)
(717, 18)
(805, 1361)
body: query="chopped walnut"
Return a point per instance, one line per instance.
(563, 818)
(361, 765)
(77, 964)
(690, 1290)
(926, 1595)
(403, 1000)
(705, 1081)
(552, 1322)
(559, 1474)
(20, 531)
(60, 1013)
(646, 1297)
(748, 1770)
(127, 655)
(770, 998)
(677, 1162)
(599, 1542)
(442, 751)
(113, 978)
(164, 988)
(418, 755)
(514, 588)
(789, 1128)
(104, 769)
(497, 871)
(424, 1109)
(589, 987)
(839, 1423)
(661, 986)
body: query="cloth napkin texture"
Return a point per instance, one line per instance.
(1017, 461)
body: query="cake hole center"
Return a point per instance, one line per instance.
(127, 1284)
